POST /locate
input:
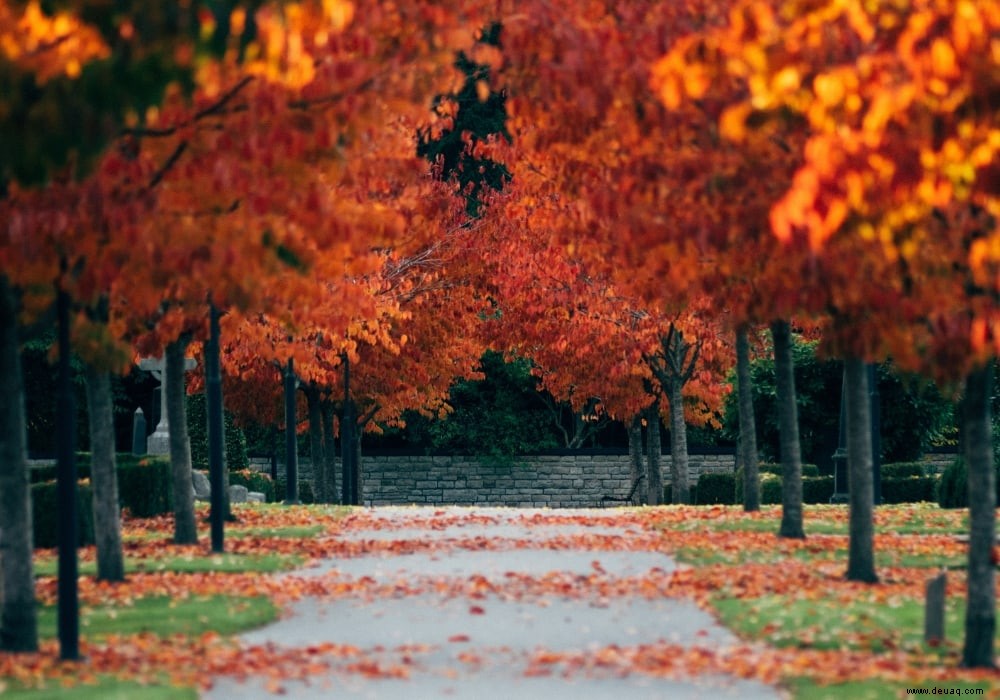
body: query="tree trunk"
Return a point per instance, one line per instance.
(788, 430)
(681, 492)
(748, 427)
(636, 468)
(185, 527)
(359, 481)
(654, 450)
(104, 477)
(18, 616)
(980, 609)
(329, 452)
(316, 453)
(861, 547)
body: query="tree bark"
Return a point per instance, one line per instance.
(329, 452)
(748, 427)
(316, 451)
(681, 491)
(788, 430)
(654, 450)
(636, 468)
(980, 609)
(104, 477)
(18, 616)
(861, 546)
(185, 526)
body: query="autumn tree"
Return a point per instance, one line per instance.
(899, 180)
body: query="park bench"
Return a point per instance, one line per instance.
(631, 498)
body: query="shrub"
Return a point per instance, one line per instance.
(953, 489)
(717, 489)
(770, 489)
(236, 442)
(771, 468)
(910, 489)
(145, 484)
(45, 514)
(305, 491)
(902, 470)
(255, 481)
(817, 489)
(668, 494)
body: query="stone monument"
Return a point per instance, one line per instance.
(159, 442)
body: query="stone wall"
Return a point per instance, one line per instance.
(559, 479)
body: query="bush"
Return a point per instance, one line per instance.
(910, 489)
(668, 495)
(145, 484)
(902, 470)
(305, 491)
(45, 514)
(717, 489)
(255, 481)
(770, 489)
(236, 442)
(771, 468)
(953, 488)
(817, 489)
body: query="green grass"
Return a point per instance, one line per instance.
(224, 563)
(808, 689)
(165, 616)
(105, 689)
(830, 624)
(291, 532)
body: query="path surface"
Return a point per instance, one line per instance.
(497, 636)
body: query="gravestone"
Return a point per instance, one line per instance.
(159, 442)
(934, 609)
(139, 432)
(202, 487)
(238, 493)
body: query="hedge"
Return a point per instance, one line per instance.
(719, 488)
(256, 481)
(817, 489)
(772, 468)
(911, 489)
(902, 470)
(145, 485)
(305, 492)
(45, 514)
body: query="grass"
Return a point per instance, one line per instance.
(106, 688)
(808, 689)
(830, 624)
(221, 563)
(164, 616)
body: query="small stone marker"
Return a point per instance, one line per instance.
(238, 493)
(159, 442)
(202, 486)
(934, 609)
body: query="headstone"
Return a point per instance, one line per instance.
(139, 432)
(256, 497)
(159, 442)
(934, 609)
(238, 493)
(202, 487)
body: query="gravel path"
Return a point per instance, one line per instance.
(497, 641)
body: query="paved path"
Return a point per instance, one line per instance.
(487, 641)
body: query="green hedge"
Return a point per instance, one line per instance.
(305, 492)
(817, 489)
(256, 481)
(145, 485)
(772, 468)
(716, 489)
(902, 470)
(45, 514)
(911, 489)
